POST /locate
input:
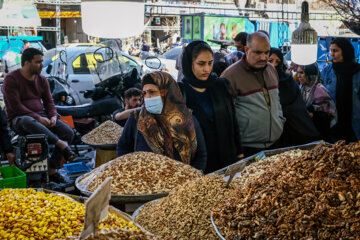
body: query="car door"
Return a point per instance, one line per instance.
(80, 77)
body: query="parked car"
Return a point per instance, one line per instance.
(168, 61)
(75, 63)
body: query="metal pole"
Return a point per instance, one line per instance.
(58, 24)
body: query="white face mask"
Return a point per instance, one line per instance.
(154, 105)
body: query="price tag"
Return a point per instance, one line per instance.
(96, 208)
(232, 170)
(260, 156)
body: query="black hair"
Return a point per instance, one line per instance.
(25, 41)
(29, 54)
(241, 37)
(348, 51)
(132, 92)
(178, 39)
(201, 47)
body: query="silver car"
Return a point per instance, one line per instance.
(75, 65)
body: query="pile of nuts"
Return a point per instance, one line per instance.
(122, 234)
(28, 214)
(186, 212)
(314, 196)
(141, 173)
(106, 133)
(257, 168)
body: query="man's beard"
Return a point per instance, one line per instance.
(34, 71)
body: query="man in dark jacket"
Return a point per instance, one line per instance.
(5, 142)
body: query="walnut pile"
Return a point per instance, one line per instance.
(122, 234)
(314, 196)
(106, 133)
(142, 173)
(257, 168)
(185, 213)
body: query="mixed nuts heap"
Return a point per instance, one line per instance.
(142, 173)
(186, 212)
(314, 196)
(106, 133)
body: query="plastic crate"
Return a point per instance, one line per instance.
(12, 177)
(78, 167)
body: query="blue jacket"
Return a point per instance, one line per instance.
(126, 143)
(329, 80)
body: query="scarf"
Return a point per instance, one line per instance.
(315, 94)
(174, 127)
(187, 61)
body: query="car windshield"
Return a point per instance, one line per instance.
(172, 53)
(50, 56)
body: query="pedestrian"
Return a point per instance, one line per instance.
(298, 128)
(133, 99)
(210, 99)
(146, 46)
(240, 41)
(164, 124)
(320, 106)
(254, 84)
(30, 108)
(342, 80)
(177, 43)
(25, 46)
(178, 64)
(233, 57)
(5, 140)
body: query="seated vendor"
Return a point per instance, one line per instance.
(164, 124)
(132, 103)
(30, 108)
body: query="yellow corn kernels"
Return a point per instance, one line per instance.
(29, 214)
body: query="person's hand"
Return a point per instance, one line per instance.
(53, 121)
(44, 121)
(311, 115)
(11, 157)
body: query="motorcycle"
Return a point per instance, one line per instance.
(108, 94)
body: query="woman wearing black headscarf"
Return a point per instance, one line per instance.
(210, 99)
(298, 128)
(342, 79)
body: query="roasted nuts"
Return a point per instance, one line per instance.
(186, 212)
(106, 133)
(313, 196)
(142, 173)
(122, 234)
(28, 214)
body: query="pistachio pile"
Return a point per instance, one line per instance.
(106, 133)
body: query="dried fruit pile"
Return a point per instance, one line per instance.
(122, 234)
(315, 196)
(106, 133)
(143, 173)
(28, 214)
(185, 212)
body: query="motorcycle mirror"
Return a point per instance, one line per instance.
(48, 69)
(107, 54)
(63, 57)
(153, 62)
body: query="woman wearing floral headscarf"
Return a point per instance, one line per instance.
(319, 104)
(164, 125)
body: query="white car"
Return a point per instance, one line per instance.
(80, 62)
(168, 61)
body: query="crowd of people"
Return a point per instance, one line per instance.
(205, 119)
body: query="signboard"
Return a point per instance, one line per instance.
(222, 28)
(63, 14)
(19, 14)
(196, 28)
(188, 27)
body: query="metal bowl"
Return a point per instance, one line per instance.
(111, 146)
(137, 211)
(215, 228)
(120, 198)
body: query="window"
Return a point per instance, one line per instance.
(127, 64)
(83, 63)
